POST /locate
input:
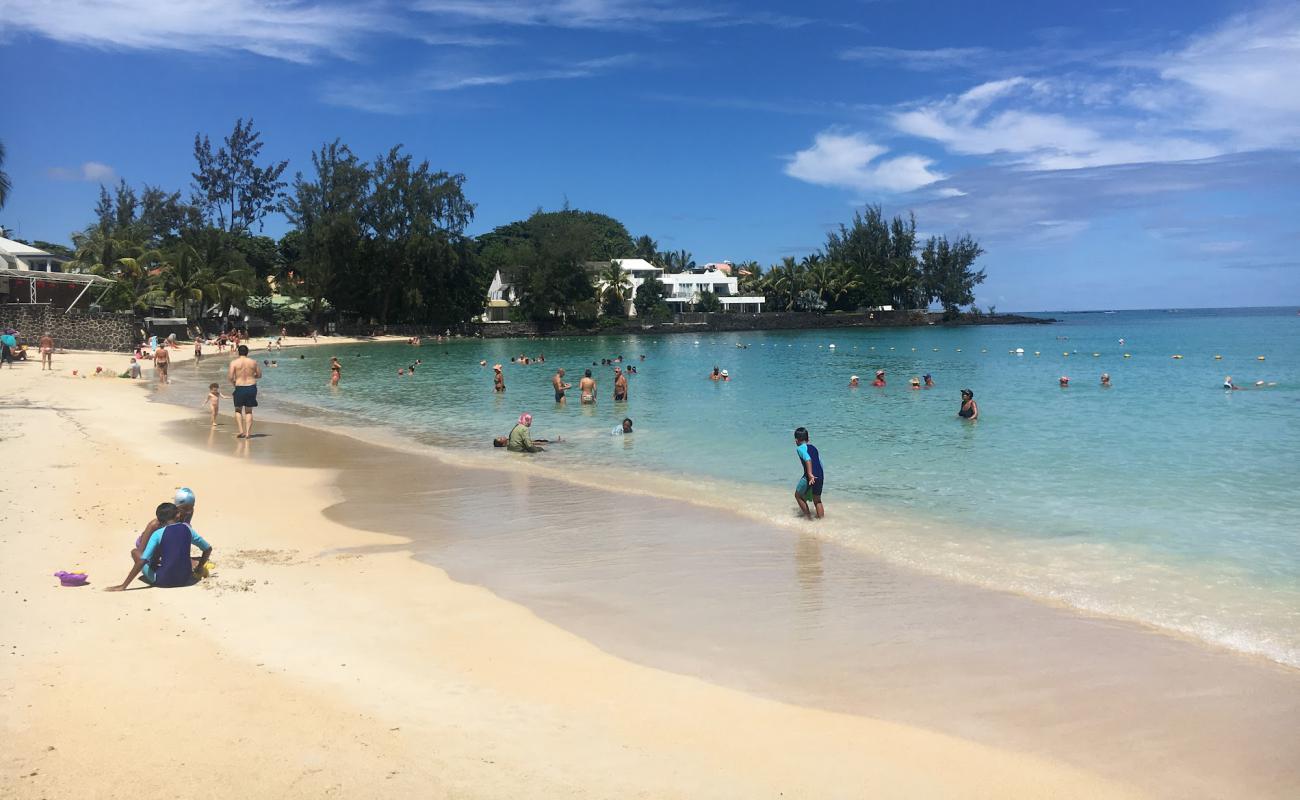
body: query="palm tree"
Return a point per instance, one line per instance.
(685, 261)
(182, 282)
(5, 185)
(784, 283)
(613, 287)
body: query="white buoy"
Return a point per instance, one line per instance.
(832, 347)
(1020, 351)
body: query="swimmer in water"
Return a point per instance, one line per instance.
(1105, 379)
(915, 383)
(968, 409)
(1229, 385)
(716, 375)
(1065, 381)
(880, 378)
(929, 382)
(854, 382)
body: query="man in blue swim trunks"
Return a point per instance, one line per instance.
(813, 479)
(243, 374)
(165, 559)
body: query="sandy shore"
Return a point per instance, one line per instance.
(323, 660)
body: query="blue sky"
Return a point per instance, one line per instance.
(1109, 156)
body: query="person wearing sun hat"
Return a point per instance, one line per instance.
(854, 382)
(880, 378)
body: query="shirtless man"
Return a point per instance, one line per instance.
(620, 386)
(561, 387)
(243, 374)
(588, 387)
(161, 361)
(47, 351)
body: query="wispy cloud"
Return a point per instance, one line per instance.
(571, 13)
(90, 171)
(605, 14)
(1013, 118)
(405, 94)
(292, 30)
(851, 161)
(919, 60)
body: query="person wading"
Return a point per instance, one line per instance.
(244, 373)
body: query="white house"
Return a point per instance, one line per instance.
(502, 294)
(19, 256)
(31, 275)
(682, 290)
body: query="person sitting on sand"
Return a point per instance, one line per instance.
(165, 559)
(520, 439)
(133, 372)
(587, 387)
(968, 409)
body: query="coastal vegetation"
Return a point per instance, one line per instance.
(385, 240)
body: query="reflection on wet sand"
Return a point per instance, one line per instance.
(702, 592)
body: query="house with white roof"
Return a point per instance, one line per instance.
(31, 275)
(502, 295)
(682, 290)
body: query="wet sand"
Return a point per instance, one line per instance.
(703, 593)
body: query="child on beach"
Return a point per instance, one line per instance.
(813, 479)
(214, 400)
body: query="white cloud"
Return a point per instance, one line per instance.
(405, 94)
(850, 161)
(1007, 118)
(1246, 76)
(571, 13)
(293, 30)
(90, 171)
(918, 60)
(949, 192)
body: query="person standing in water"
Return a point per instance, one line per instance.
(587, 386)
(336, 370)
(620, 385)
(968, 408)
(244, 373)
(813, 480)
(557, 381)
(498, 380)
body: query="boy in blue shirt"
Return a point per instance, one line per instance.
(813, 479)
(164, 560)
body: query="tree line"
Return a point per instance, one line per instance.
(385, 240)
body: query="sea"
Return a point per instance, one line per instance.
(1163, 499)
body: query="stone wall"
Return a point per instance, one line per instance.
(72, 330)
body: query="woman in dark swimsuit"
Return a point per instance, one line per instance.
(968, 408)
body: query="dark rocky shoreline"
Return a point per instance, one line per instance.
(774, 321)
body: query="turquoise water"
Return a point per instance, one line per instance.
(1163, 499)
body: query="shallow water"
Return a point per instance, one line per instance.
(1163, 499)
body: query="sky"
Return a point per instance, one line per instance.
(1104, 155)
